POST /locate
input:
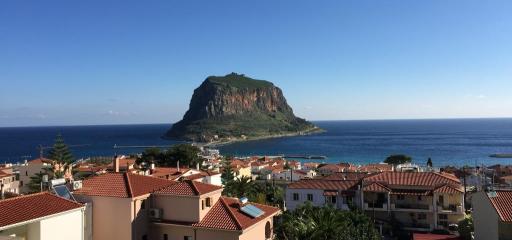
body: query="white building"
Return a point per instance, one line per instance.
(41, 216)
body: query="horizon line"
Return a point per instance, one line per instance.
(317, 120)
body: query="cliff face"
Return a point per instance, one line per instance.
(235, 106)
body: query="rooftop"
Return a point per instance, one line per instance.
(188, 188)
(502, 202)
(33, 206)
(122, 185)
(428, 179)
(226, 214)
(323, 184)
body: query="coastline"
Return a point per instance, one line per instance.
(312, 131)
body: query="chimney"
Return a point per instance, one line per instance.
(152, 166)
(197, 166)
(115, 164)
(178, 165)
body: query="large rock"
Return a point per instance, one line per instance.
(237, 107)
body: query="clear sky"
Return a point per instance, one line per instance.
(108, 62)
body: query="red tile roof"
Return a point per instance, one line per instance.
(40, 160)
(33, 206)
(376, 187)
(430, 236)
(225, 214)
(346, 176)
(188, 188)
(502, 202)
(123, 185)
(323, 184)
(448, 189)
(414, 178)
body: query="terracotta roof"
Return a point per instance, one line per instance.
(346, 176)
(168, 171)
(376, 187)
(376, 167)
(225, 214)
(33, 206)
(503, 204)
(430, 236)
(414, 178)
(40, 160)
(448, 189)
(188, 188)
(123, 185)
(5, 174)
(323, 184)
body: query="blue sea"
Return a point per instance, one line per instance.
(448, 142)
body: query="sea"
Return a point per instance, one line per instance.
(455, 142)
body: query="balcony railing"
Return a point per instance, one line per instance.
(375, 206)
(411, 206)
(452, 208)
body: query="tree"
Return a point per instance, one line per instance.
(241, 187)
(322, 223)
(35, 181)
(187, 154)
(466, 227)
(429, 162)
(150, 155)
(398, 159)
(60, 152)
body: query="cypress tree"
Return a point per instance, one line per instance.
(60, 151)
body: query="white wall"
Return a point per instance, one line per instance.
(68, 226)
(485, 217)
(318, 197)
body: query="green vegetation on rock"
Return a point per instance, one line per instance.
(237, 107)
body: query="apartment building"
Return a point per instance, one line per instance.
(132, 206)
(8, 183)
(419, 201)
(30, 169)
(41, 216)
(204, 214)
(119, 204)
(492, 214)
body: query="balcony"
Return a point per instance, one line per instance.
(452, 208)
(375, 206)
(417, 226)
(411, 207)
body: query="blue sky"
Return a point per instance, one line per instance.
(99, 62)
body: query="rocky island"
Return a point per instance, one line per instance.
(235, 108)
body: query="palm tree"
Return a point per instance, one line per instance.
(243, 186)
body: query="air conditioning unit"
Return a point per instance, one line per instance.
(77, 185)
(155, 213)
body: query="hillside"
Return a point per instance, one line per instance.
(236, 107)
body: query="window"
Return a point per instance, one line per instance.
(441, 199)
(202, 204)
(310, 197)
(21, 183)
(330, 199)
(400, 197)
(208, 202)
(422, 216)
(268, 230)
(295, 197)
(26, 173)
(143, 204)
(419, 198)
(166, 237)
(187, 238)
(348, 199)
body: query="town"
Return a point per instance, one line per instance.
(189, 192)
